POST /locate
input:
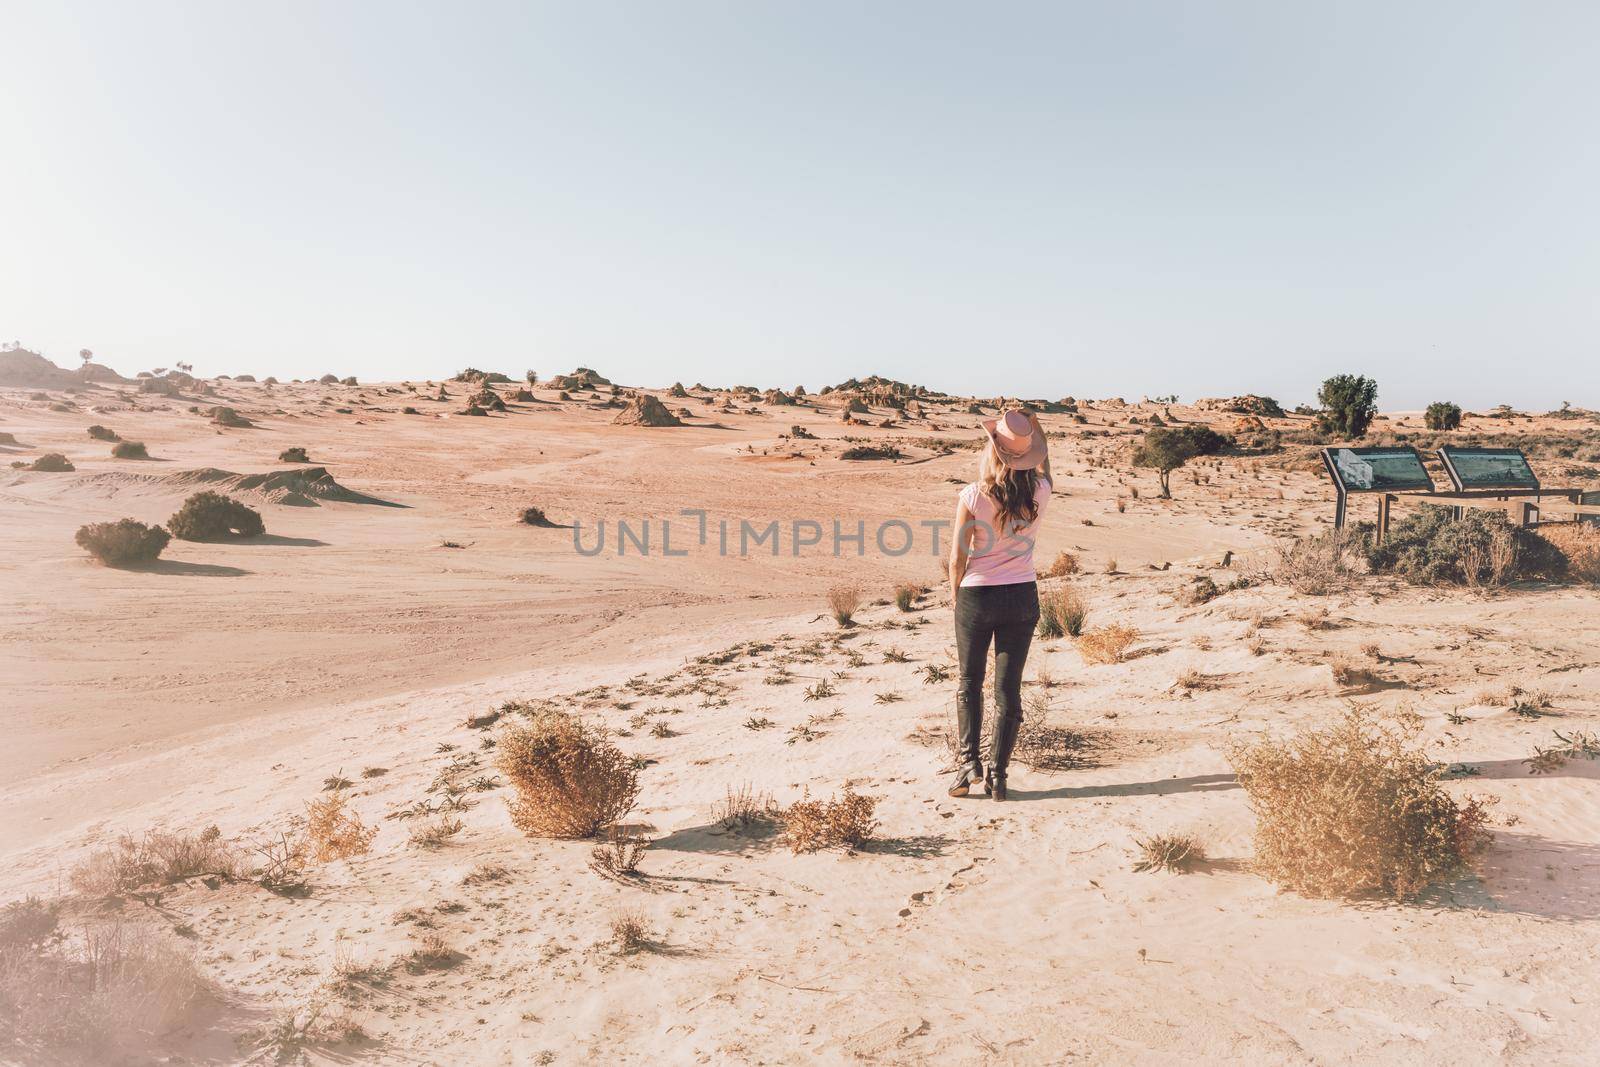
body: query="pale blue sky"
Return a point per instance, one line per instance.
(1034, 199)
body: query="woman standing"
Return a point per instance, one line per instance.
(993, 585)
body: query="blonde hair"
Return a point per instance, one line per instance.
(1014, 492)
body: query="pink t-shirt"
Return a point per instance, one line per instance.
(1000, 557)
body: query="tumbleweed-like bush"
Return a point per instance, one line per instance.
(570, 781)
(1062, 611)
(129, 450)
(843, 602)
(53, 462)
(211, 516)
(844, 821)
(101, 433)
(1355, 807)
(1107, 644)
(294, 455)
(122, 542)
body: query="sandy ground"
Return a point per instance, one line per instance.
(224, 685)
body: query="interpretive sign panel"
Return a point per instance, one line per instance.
(1377, 470)
(1488, 468)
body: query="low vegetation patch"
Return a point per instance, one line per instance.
(843, 821)
(294, 455)
(211, 516)
(1107, 644)
(872, 452)
(843, 603)
(1319, 565)
(1355, 807)
(156, 858)
(333, 831)
(1580, 544)
(570, 780)
(52, 463)
(1178, 853)
(122, 543)
(129, 450)
(101, 433)
(1483, 547)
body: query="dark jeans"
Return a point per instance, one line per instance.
(1005, 614)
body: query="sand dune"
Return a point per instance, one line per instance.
(225, 684)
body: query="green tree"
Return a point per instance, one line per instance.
(1442, 415)
(1348, 402)
(1165, 450)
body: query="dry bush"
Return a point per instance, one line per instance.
(432, 953)
(432, 833)
(52, 462)
(630, 930)
(156, 858)
(124, 542)
(1169, 852)
(102, 433)
(129, 450)
(310, 1026)
(843, 821)
(1111, 565)
(1355, 807)
(570, 780)
(333, 832)
(619, 857)
(843, 603)
(1192, 679)
(209, 516)
(1062, 566)
(296, 454)
(1580, 543)
(84, 995)
(745, 807)
(1062, 610)
(1348, 672)
(1107, 644)
(1318, 565)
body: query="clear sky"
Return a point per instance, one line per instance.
(1116, 198)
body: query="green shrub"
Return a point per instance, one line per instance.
(1165, 449)
(100, 433)
(1442, 415)
(122, 542)
(1349, 403)
(1429, 547)
(129, 450)
(210, 516)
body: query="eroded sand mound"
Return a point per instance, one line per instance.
(29, 370)
(304, 487)
(646, 410)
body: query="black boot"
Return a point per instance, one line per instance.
(961, 785)
(1005, 738)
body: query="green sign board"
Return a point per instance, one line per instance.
(1376, 470)
(1488, 468)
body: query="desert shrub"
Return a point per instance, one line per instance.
(1349, 403)
(211, 516)
(1355, 807)
(745, 807)
(122, 542)
(129, 450)
(81, 995)
(844, 821)
(153, 859)
(1107, 644)
(620, 855)
(333, 831)
(1442, 415)
(1319, 564)
(52, 462)
(1063, 565)
(294, 455)
(1040, 745)
(1062, 610)
(843, 603)
(535, 516)
(1580, 544)
(100, 433)
(1430, 547)
(871, 452)
(630, 930)
(570, 781)
(1169, 852)
(905, 596)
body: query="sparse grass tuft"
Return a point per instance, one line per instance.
(745, 807)
(433, 833)
(1062, 611)
(333, 832)
(905, 596)
(843, 603)
(1178, 853)
(155, 859)
(619, 856)
(630, 931)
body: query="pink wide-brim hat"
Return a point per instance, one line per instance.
(1014, 440)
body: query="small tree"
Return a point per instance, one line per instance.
(1442, 415)
(532, 376)
(85, 355)
(1167, 448)
(1349, 403)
